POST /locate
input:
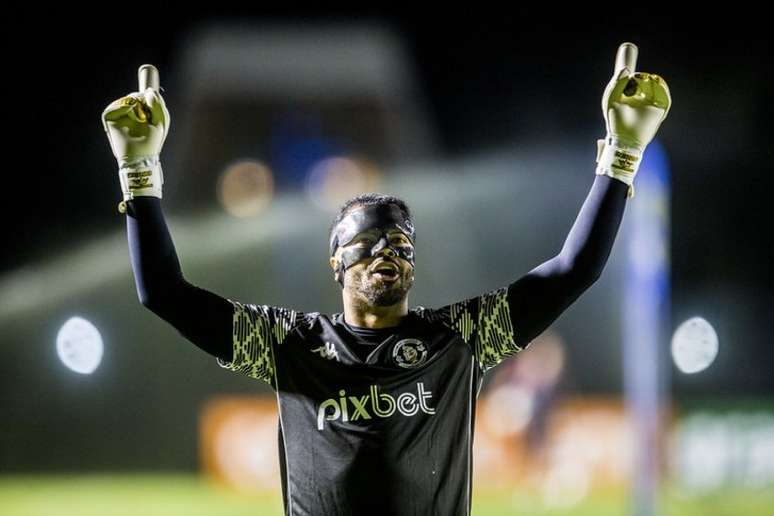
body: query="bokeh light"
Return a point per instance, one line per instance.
(79, 345)
(246, 188)
(333, 180)
(694, 345)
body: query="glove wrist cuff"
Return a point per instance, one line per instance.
(618, 159)
(141, 177)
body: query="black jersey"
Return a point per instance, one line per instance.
(388, 434)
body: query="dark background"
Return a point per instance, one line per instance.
(489, 78)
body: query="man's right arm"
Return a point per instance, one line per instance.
(202, 317)
(136, 126)
(241, 336)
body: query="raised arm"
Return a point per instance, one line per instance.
(202, 317)
(502, 322)
(633, 105)
(136, 126)
(536, 299)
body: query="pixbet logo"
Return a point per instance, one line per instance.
(382, 405)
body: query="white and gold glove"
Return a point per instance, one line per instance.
(136, 126)
(634, 104)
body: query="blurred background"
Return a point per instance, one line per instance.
(652, 394)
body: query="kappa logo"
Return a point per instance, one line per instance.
(382, 405)
(409, 353)
(328, 351)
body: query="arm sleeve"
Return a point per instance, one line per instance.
(200, 316)
(502, 322)
(241, 336)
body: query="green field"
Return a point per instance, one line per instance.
(171, 495)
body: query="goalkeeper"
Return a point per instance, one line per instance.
(376, 403)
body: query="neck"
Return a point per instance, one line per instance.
(369, 316)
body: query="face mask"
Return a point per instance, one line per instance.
(381, 218)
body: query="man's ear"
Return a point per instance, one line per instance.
(334, 263)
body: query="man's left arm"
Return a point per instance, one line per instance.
(507, 319)
(538, 298)
(634, 104)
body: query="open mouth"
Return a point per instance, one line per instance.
(386, 271)
(387, 274)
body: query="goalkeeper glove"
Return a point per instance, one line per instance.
(634, 104)
(136, 126)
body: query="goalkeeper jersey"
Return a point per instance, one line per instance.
(390, 433)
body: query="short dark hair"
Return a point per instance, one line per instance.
(370, 199)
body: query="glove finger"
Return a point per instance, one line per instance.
(644, 89)
(659, 92)
(157, 107)
(131, 107)
(625, 64)
(115, 111)
(148, 77)
(625, 58)
(125, 106)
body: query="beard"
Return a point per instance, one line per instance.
(377, 292)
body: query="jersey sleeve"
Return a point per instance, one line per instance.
(257, 330)
(502, 322)
(485, 323)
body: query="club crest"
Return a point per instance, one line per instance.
(409, 353)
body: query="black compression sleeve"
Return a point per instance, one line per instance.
(200, 316)
(540, 296)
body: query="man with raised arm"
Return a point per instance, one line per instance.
(377, 402)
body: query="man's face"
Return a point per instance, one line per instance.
(380, 280)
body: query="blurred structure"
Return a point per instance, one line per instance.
(291, 96)
(238, 443)
(646, 325)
